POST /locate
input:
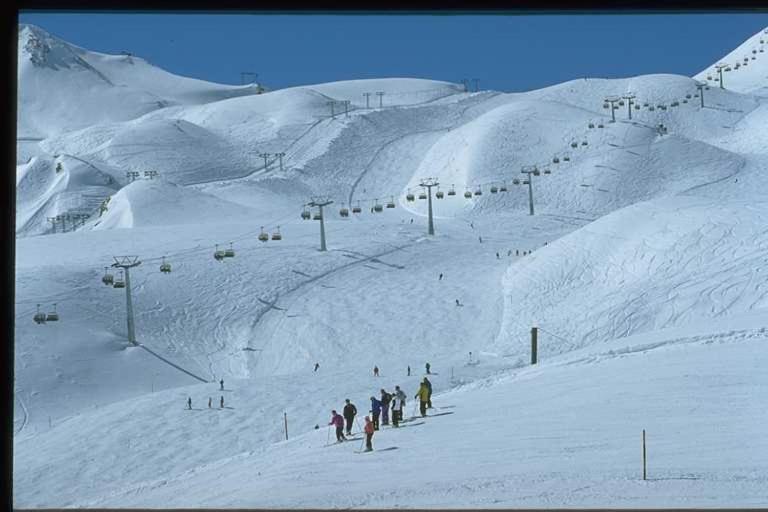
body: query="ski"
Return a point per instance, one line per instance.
(382, 450)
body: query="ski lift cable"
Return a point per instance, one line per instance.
(555, 335)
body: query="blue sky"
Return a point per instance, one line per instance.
(507, 53)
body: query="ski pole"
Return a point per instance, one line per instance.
(357, 422)
(328, 437)
(361, 442)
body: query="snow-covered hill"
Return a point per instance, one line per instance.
(645, 277)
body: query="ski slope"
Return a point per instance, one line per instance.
(645, 277)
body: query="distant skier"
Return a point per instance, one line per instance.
(517, 252)
(349, 414)
(221, 402)
(427, 366)
(472, 225)
(458, 303)
(480, 238)
(497, 256)
(221, 383)
(369, 429)
(317, 365)
(509, 252)
(429, 396)
(375, 411)
(189, 403)
(397, 410)
(375, 371)
(338, 422)
(423, 395)
(470, 356)
(440, 278)
(409, 370)
(210, 402)
(411, 220)
(386, 400)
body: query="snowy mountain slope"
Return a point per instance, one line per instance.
(667, 284)
(55, 77)
(747, 67)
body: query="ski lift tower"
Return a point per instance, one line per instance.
(126, 263)
(320, 202)
(610, 102)
(630, 101)
(428, 183)
(720, 67)
(530, 170)
(701, 86)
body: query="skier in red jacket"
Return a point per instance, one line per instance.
(337, 420)
(368, 434)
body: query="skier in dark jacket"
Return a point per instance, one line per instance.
(338, 422)
(349, 414)
(189, 403)
(429, 396)
(427, 366)
(386, 400)
(375, 411)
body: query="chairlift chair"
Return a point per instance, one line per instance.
(263, 236)
(584, 143)
(652, 108)
(391, 202)
(637, 107)
(591, 125)
(410, 197)
(605, 105)
(439, 194)
(344, 211)
(574, 144)
(468, 194)
(422, 195)
(53, 316)
(119, 283)
(165, 267)
(305, 214)
(494, 189)
(536, 172)
(645, 104)
(555, 160)
(503, 188)
(317, 216)
(276, 234)
(547, 171)
(526, 182)
(39, 317)
(230, 253)
(600, 125)
(566, 158)
(218, 254)
(478, 192)
(515, 181)
(685, 101)
(621, 103)
(452, 191)
(688, 96)
(377, 207)
(357, 209)
(108, 278)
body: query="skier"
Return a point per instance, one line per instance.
(427, 367)
(470, 356)
(458, 303)
(509, 252)
(400, 396)
(411, 220)
(517, 252)
(375, 371)
(189, 403)
(386, 399)
(221, 383)
(441, 277)
(397, 411)
(221, 402)
(317, 365)
(338, 422)
(369, 429)
(349, 414)
(210, 401)
(429, 396)
(497, 256)
(480, 238)
(423, 395)
(472, 225)
(409, 370)
(375, 411)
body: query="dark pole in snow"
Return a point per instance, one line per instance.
(534, 346)
(530, 170)
(428, 184)
(333, 114)
(280, 156)
(629, 98)
(720, 68)
(700, 87)
(265, 156)
(612, 100)
(644, 458)
(367, 99)
(285, 417)
(380, 94)
(320, 203)
(126, 263)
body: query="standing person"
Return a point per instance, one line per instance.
(509, 252)
(375, 371)
(397, 410)
(221, 402)
(189, 403)
(423, 395)
(221, 383)
(210, 401)
(338, 422)
(441, 277)
(480, 238)
(517, 252)
(386, 399)
(429, 396)
(375, 411)
(317, 365)
(349, 414)
(369, 429)
(427, 366)
(411, 220)
(497, 256)
(409, 370)
(400, 396)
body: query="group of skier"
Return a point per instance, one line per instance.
(380, 412)
(210, 400)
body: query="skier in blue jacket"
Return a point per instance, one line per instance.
(375, 411)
